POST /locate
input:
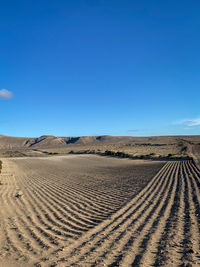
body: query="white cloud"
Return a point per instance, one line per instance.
(5, 94)
(189, 122)
(193, 122)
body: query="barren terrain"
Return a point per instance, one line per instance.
(164, 147)
(92, 210)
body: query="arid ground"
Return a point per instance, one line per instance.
(97, 210)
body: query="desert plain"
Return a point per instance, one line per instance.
(100, 201)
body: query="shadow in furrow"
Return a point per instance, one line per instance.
(161, 254)
(140, 228)
(186, 243)
(144, 243)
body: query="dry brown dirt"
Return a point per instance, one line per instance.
(151, 147)
(87, 210)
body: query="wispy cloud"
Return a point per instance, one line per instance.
(190, 122)
(193, 122)
(5, 94)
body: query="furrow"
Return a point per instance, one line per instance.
(194, 227)
(44, 216)
(68, 205)
(102, 230)
(135, 245)
(156, 251)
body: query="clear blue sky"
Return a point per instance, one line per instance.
(94, 67)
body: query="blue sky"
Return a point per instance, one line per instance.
(95, 67)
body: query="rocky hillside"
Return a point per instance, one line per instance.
(7, 142)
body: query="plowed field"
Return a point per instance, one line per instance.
(97, 211)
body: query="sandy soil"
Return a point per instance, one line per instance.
(147, 147)
(96, 211)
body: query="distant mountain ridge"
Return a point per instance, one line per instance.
(48, 141)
